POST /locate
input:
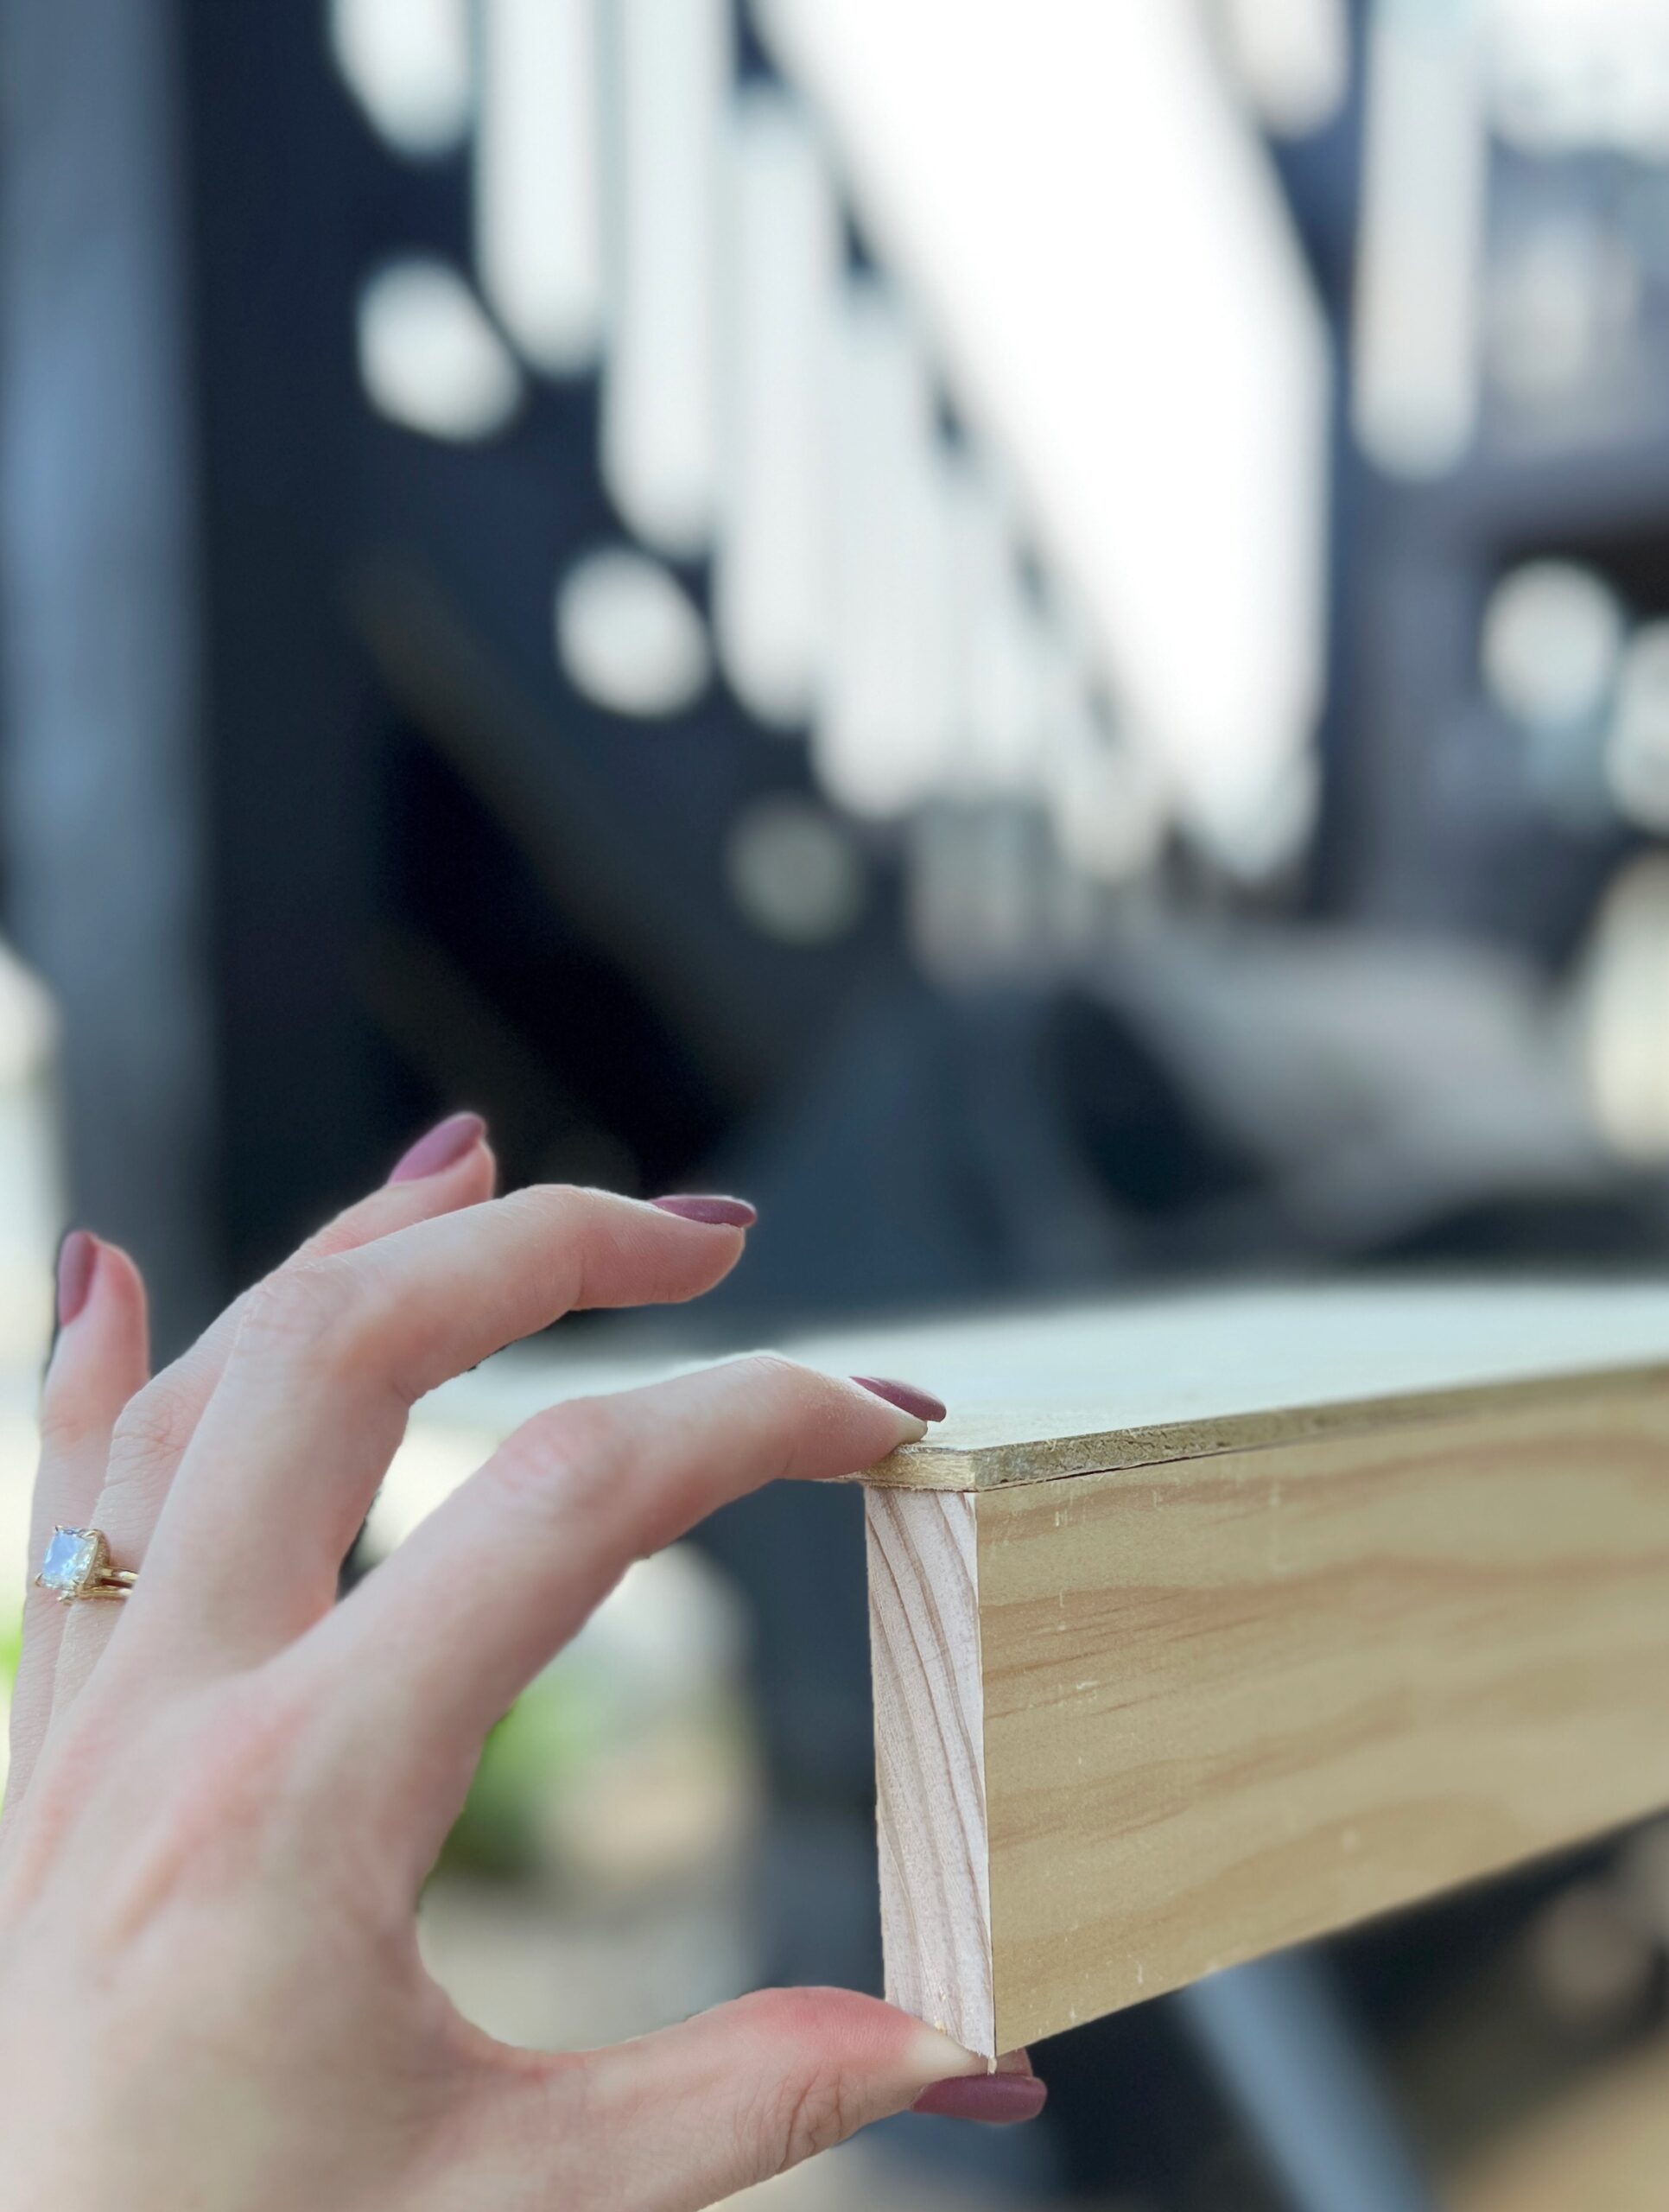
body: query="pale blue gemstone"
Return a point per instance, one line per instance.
(69, 1559)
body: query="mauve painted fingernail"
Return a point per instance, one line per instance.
(721, 1213)
(77, 1255)
(907, 1398)
(443, 1147)
(998, 2100)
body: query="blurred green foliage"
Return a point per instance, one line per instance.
(536, 1750)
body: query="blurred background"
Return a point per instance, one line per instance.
(1039, 636)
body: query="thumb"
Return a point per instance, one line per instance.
(680, 2118)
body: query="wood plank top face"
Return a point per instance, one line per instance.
(1040, 1396)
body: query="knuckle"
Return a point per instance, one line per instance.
(154, 1426)
(582, 1433)
(805, 2115)
(545, 1201)
(565, 1459)
(783, 1380)
(799, 1407)
(802, 2105)
(310, 1313)
(63, 1420)
(340, 1234)
(561, 1217)
(554, 1210)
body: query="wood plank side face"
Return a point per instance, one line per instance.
(1233, 1703)
(930, 1761)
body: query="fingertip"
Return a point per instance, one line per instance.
(999, 2092)
(100, 1324)
(934, 2056)
(862, 2034)
(96, 1281)
(710, 1212)
(990, 2099)
(905, 1423)
(89, 1275)
(706, 1240)
(78, 1263)
(448, 1145)
(909, 1397)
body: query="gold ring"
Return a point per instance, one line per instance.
(77, 1565)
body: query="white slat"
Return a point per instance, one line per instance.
(539, 218)
(660, 404)
(882, 737)
(771, 580)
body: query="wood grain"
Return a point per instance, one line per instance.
(1233, 1702)
(929, 1759)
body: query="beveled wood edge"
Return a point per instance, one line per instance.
(930, 1467)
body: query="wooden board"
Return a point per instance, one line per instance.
(1037, 1395)
(1137, 1723)
(1050, 1390)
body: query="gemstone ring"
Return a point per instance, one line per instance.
(77, 1565)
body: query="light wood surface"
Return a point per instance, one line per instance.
(1036, 1397)
(1052, 1391)
(1232, 1701)
(935, 1917)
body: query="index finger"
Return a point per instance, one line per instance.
(498, 1578)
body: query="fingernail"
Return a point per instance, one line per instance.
(443, 1147)
(998, 2100)
(907, 1398)
(77, 1255)
(723, 1213)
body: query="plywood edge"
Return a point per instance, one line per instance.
(947, 1466)
(930, 1761)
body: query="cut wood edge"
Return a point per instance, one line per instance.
(930, 1761)
(946, 1466)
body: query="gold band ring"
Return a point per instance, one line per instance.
(78, 1565)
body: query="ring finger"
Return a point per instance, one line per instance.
(100, 1358)
(153, 1429)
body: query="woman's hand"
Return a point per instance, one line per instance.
(225, 1793)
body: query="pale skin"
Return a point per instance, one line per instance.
(225, 1792)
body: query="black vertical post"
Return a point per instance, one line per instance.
(293, 724)
(99, 819)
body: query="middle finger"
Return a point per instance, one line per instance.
(327, 1363)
